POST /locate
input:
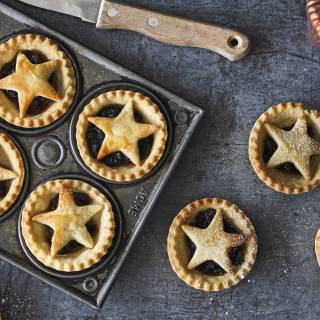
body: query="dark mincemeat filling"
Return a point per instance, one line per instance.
(39, 104)
(203, 219)
(5, 185)
(270, 148)
(4, 189)
(80, 199)
(95, 137)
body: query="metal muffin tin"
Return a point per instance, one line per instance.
(51, 152)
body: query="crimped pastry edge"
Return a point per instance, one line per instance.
(317, 246)
(79, 260)
(313, 14)
(258, 164)
(17, 165)
(160, 137)
(195, 278)
(57, 109)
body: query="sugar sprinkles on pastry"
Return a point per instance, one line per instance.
(212, 245)
(284, 148)
(294, 146)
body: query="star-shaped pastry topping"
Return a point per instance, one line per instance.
(30, 81)
(68, 221)
(213, 243)
(6, 174)
(123, 133)
(294, 146)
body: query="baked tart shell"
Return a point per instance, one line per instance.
(34, 233)
(151, 113)
(67, 83)
(283, 115)
(317, 246)
(17, 165)
(178, 251)
(313, 14)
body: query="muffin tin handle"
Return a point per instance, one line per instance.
(231, 44)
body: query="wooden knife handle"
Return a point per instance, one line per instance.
(174, 30)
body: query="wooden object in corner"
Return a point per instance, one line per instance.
(231, 44)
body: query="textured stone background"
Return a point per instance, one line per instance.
(285, 282)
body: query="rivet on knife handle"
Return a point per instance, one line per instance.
(174, 30)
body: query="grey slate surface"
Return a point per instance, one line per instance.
(285, 282)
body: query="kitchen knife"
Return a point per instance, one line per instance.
(162, 27)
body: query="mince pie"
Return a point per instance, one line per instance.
(68, 225)
(12, 173)
(284, 148)
(317, 246)
(121, 135)
(37, 81)
(212, 244)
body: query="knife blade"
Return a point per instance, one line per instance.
(230, 43)
(87, 10)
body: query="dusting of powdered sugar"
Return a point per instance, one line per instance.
(13, 306)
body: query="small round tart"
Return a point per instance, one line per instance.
(313, 15)
(284, 148)
(121, 135)
(12, 173)
(68, 225)
(317, 246)
(37, 81)
(212, 244)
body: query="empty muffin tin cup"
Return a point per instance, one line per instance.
(48, 153)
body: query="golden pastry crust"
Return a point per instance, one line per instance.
(151, 115)
(34, 233)
(65, 79)
(10, 158)
(313, 14)
(179, 253)
(317, 246)
(282, 116)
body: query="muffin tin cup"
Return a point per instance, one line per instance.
(111, 86)
(26, 182)
(41, 130)
(111, 251)
(48, 152)
(53, 154)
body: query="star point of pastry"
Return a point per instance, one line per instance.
(294, 146)
(213, 243)
(123, 133)
(68, 221)
(6, 174)
(30, 81)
